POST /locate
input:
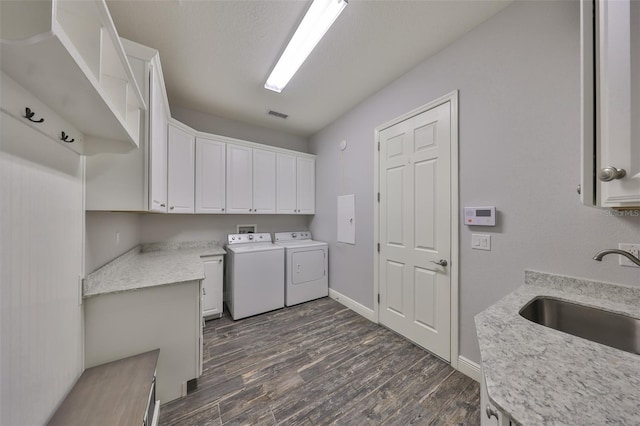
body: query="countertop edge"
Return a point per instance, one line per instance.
(512, 343)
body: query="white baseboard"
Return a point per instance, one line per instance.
(469, 368)
(353, 305)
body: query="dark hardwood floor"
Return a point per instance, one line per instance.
(320, 363)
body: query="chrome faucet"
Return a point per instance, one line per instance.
(626, 254)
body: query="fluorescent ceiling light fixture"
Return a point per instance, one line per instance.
(318, 19)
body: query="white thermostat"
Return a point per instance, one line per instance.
(480, 216)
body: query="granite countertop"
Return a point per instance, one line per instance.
(151, 265)
(538, 375)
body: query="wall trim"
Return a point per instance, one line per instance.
(353, 305)
(469, 368)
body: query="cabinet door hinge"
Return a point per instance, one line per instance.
(378, 145)
(378, 197)
(378, 298)
(378, 247)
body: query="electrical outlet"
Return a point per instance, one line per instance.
(634, 249)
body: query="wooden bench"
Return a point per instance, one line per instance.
(117, 393)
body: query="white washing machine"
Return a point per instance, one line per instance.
(306, 267)
(254, 275)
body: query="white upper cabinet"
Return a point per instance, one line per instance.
(210, 175)
(264, 181)
(180, 169)
(251, 180)
(295, 184)
(611, 103)
(157, 141)
(286, 201)
(239, 179)
(68, 55)
(136, 180)
(306, 185)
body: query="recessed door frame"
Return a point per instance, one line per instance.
(455, 214)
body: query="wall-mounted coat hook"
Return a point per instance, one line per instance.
(65, 138)
(28, 114)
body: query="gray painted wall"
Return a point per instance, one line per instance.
(234, 129)
(101, 246)
(518, 81)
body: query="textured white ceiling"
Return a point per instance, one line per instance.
(217, 54)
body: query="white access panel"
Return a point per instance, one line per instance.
(307, 266)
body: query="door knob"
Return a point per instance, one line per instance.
(610, 173)
(440, 262)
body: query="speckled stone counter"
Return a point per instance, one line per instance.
(150, 265)
(540, 376)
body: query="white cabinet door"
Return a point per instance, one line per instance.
(239, 179)
(157, 144)
(286, 197)
(181, 170)
(264, 181)
(210, 176)
(489, 414)
(212, 286)
(306, 185)
(610, 103)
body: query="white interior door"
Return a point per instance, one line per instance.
(415, 228)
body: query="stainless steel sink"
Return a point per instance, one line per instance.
(608, 328)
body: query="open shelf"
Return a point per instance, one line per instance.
(77, 67)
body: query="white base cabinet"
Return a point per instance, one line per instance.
(167, 317)
(490, 415)
(212, 286)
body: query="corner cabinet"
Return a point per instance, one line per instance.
(610, 85)
(68, 55)
(136, 180)
(212, 286)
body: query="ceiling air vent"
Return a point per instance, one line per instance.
(278, 114)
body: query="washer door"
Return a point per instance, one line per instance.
(307, 265)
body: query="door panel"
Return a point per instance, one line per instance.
(415, 228)
(395, 273)
(264, 181)
(426, 207)
(181, 171)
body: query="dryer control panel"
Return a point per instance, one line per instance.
(290, 236)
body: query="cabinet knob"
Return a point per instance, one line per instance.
(163, 205)
(171, 208)
(610, 173)
(222, 209)
(491, 412)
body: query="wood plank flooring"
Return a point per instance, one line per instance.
(320, 363)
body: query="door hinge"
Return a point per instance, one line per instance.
(378, 298)
(378, 197)
(378, 145)
(378, 247)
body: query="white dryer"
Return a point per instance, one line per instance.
(254, 275)
(306, 267)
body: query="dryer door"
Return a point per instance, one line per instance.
(307, 265)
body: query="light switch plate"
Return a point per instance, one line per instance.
(481, 242)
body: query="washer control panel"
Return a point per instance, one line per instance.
(263, 237)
